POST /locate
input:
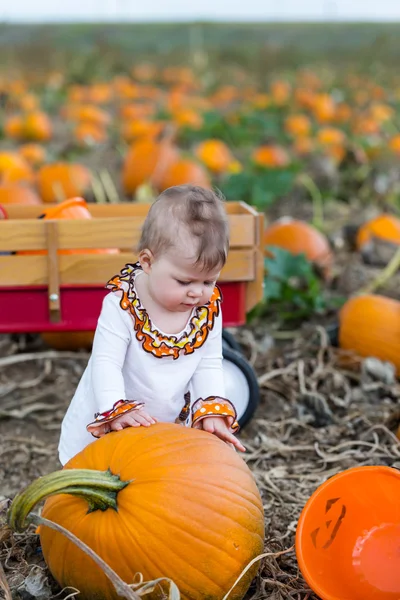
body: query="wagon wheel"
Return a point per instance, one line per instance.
(229, 341)
(240, 384)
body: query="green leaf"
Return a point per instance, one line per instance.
(272, 290)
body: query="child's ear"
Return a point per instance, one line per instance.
(146, 259)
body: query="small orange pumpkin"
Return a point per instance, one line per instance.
(188, 117)
(37, 127)
(299, 237)
(141, 128)
(35, 154)
(89, 134)
(298, 125)
(270, 156)
(394, 144)
(215, 154)
(13, 127)
(14, 168)
(280, 92)
(324, 108)
(369, 325)
(163, 501)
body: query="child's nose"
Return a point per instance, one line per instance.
(195, 291)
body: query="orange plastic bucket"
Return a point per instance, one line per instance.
(73, 208)
(348, 536)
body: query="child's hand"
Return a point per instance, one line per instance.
(218, 427)
(132, 419)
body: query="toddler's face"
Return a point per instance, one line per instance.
(177, 285)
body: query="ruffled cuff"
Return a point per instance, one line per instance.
(100, 425)
(215, 406)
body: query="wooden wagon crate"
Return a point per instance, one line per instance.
(54, 292)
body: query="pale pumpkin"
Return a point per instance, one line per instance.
(178, 503)
(369, 325)
(299, 237)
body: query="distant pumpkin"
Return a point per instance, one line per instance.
(37, 127)
(215, 155)
(185, 171)
(369, 325)
(298, 125)
(34, 153)
(299, 237)
(14, 168)
(14, 193)
(270, 156)
(147, 161)
(89, 134)
(62, 180)
(383, 227)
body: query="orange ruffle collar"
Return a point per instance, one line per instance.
(154, 341)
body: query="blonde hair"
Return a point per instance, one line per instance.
(201, 214)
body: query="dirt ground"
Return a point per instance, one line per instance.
(321, 412)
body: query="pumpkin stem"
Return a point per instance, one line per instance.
(98, 488)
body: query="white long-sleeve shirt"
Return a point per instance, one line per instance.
(128, 362)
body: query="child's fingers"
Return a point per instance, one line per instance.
(151, 420)
(228, 437)
(143, 418)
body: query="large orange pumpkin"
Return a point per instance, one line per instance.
(370, 326)
(299, 237)
(189, 509)
(61, 180)
(147, 160)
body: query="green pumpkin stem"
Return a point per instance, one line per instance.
(98, 488)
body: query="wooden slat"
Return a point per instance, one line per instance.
(100, 233)
(97, 269)
(255, 288)
(123, 209)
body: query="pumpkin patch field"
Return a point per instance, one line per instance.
(297, 123)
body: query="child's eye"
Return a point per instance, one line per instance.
(208, 283)
(183, 282)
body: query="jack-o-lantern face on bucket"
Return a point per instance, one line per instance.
(323, 535)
